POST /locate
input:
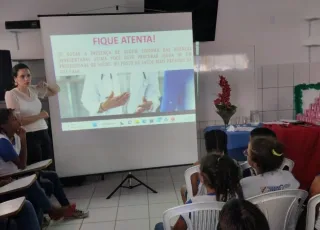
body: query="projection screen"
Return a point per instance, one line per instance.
(127, 98)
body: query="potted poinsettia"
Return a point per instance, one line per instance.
(223, 105)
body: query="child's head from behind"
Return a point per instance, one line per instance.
(265, 154)
(216, 141)
(242, 215)
(262, 132)
(221, 174)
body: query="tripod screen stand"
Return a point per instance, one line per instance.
(129, 178)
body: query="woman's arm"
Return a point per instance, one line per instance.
(31, 119)
(52, 91)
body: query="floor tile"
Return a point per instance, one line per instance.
(101, 214)
(133, 212)
(162, 187)
(136, 190)
(66, 222)
(159, 179)
(102, 202)
(81, 203)
(65, 227)
(79, 192)
(156, 210)
(136, 199)
(139, 224)
(154, 221)
(162, 197)
(98, 226)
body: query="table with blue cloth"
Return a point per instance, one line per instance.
(237, 141)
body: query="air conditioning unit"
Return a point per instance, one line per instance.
(16, 26)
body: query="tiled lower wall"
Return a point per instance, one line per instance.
(276, 85)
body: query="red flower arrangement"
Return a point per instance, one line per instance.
(223, 100)
(224, 107)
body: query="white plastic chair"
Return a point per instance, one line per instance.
(286, 163)
(187, 176)
(203, 216)
(311, 212)
(281, 208)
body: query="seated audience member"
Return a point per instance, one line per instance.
(220, 176)
(315, 190)
(265, 156)
(216, 142)
(13, 156)
(25, 219)
(257, 132)
(242, 215)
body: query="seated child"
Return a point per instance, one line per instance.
(13, 156)
(242, 215)
(220, 176)
(258, 132)
(265, 156)
(216, 142)
(25, 217)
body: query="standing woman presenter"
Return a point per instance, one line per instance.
(24, 99)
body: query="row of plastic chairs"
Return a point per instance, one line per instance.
(205, 215)
(281, 208)
(287, 164)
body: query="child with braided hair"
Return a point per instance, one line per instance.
(221, 177)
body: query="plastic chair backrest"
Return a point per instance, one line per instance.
(203, 216)
(281, 208)
(311, 212)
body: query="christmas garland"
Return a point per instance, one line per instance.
(298, 93)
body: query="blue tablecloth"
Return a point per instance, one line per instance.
(237, 141)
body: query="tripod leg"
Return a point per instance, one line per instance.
(119, 186)
(154, 191)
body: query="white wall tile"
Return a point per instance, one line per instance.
(285, 98)
(286, 114)
(285, 75)
(301, 73)
(270, 76)
(314, 72)
(259, 100)
(259, 77)
(270, 99)
(270, 116)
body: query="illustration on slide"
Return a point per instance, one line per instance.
(108, 94)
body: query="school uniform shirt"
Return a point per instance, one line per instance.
(268, 182)
(26, 106)
(9, 152)
(97, 89)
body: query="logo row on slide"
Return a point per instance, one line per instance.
(83, 125)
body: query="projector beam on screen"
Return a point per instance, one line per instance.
(127, 99)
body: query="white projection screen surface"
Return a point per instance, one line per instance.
(127, 95)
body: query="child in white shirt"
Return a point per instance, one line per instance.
(265, 156)
(221, 177)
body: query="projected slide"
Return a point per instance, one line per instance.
(124, 79)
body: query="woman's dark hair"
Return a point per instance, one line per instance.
(222, 174)
(262, 132)
(18, 67)
(242, 215)
(267, 153)
(216, 140)
(4, 116)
